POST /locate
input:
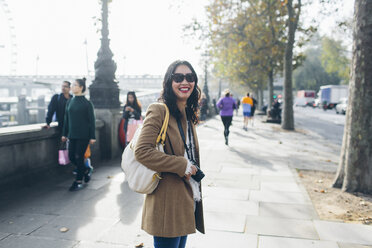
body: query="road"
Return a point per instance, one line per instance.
(327, 124)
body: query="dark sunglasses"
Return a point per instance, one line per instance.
(179, 77)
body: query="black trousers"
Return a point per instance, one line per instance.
(76, 151)
(226, 120)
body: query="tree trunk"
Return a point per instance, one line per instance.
(287, 118)
(271, 87)
(338, 181)
(260, 98)
(356, 156)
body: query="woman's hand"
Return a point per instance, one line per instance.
(193, 172)
(64, 139)
(92, 141)
(129, 109)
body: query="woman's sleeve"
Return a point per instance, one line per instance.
(65, 121)
(92, 122)
(145, 151)
(220, 104)
(137, 114)
(125, 113)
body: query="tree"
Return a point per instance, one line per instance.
(355, 169)
(293, 17)
(334, 59)
(325, 63)
(247, 40)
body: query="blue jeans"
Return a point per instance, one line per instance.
(177, 242)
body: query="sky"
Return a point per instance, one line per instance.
(146, 35)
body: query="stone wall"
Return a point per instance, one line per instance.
(29, 153)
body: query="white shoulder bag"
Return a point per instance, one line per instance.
(140, 178)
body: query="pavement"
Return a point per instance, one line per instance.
(252, 197)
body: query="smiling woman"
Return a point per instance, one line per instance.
(174, 210)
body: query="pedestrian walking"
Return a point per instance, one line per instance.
(253, 109)
(174, 209)
(247, 103)
(57, 106)
(131, 115)
(215, 106)
(226, 105)
(237, 106)
(79, 128)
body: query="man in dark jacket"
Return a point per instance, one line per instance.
(57, 106)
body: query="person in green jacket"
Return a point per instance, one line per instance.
(79, 129)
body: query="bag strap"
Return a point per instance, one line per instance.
(163, 131)
(188, 151)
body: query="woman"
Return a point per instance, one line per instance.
(131, 115)
(226, 105)
(175, 208)
(79, 127)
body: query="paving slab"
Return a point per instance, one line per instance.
(93, 184)
(225, 193)
(343, 245)
(280, 242)
(265, 178)
(80, 228)
(3, 235)
(224, 222)
(218, 239)
(18, 223)
(86, 244)
(276, 186)
(92, 208)
(289, 211)
(278, 197)
(230, 206)
(233, 176)
(127, 234)
(21, 241)
(344, 232)
(239, 171)
(281, 227)
(233, 183)
(277, 171)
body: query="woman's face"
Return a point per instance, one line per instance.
(76, 88)
(183, 89)
(130, 99)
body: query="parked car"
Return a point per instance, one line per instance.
(316, 103)
(341, 106)
(305, 98)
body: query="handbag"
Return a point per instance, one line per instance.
(87, 153)
(140, 178)
(63, 158)
(132, 128)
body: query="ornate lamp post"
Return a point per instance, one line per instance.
(104, 91)
(205, 88)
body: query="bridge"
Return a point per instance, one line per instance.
(35, 85)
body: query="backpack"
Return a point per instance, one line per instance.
(140, 178)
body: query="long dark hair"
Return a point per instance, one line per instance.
(136, 105)
(170, 99)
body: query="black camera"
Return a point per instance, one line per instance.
(199, 173)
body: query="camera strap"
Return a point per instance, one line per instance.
(188, 149)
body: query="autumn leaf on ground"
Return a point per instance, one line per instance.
(63, 229)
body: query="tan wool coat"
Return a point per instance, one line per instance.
(169, 210)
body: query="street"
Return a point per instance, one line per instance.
(326, 124)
